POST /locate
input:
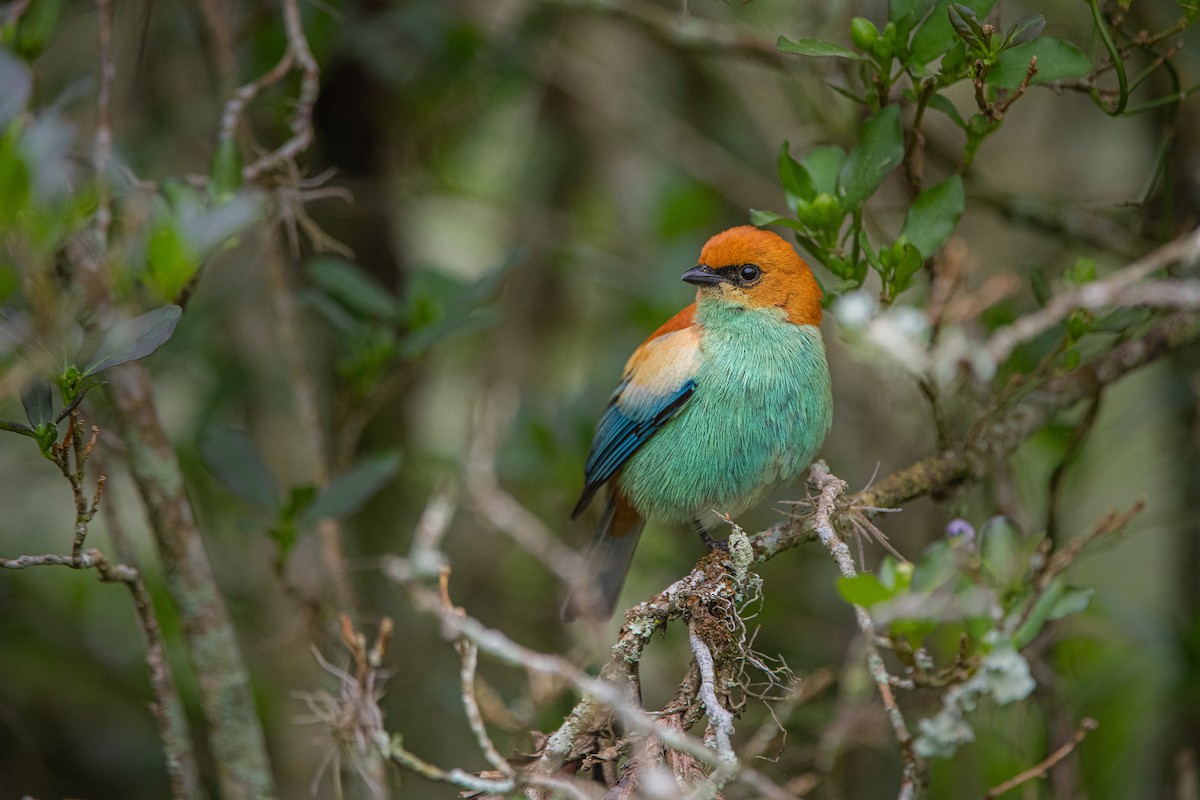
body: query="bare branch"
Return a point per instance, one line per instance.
(830, 488)
(1000, 431)
(166, 708)
(501, 510)
(235, 731)
(722, 720)
(1119, 289)
(297, 56)
(310, 432)
(1086, 726)
(470, 659)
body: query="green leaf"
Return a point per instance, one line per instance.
(1000, 547)
(1041, 286)
(824, 213)
(440, 308)
(225, 171)
(1082, 271)
(15, 183)
(879, 150)
(172, 260)
(966, 25)
(760, 218)
(863, 33)
(1073, 600)
(355, 289)
(347, 493)
(953, 66)
(134, 339)
(816, 48)
(869, 256)
(864, 590)
(16, 427)
(460, 323)
(235, 461)
(38, 400)
(300, 499)
(484, 289)
(207, 229)
(1057, 601)
(934, 215)
(823, 164)
(36, 27)
(887, 573)
(285, 534)
(905, 267)
(935, 38)
(334, 313)
(1026, 29)
(1036, 619)
(943, 104)
(907, 13)
(70, 382)
(1056, 61)
(286, 530)
(937, 566)
(797, 183)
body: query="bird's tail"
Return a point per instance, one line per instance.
(598, 586)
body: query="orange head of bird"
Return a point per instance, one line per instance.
(757, 269)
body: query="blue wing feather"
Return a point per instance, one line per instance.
(621, 432)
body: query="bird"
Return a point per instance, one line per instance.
(728, 399)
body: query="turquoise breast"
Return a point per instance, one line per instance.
(761, 409)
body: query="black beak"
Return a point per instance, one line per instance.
(701, 275)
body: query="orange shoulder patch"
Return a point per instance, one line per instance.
(684, 319)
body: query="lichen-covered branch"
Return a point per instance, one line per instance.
(71, 456)
(831, 488)
(1002, 430)
(1123, 288)
(235, 733)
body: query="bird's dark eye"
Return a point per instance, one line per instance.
(749, 273)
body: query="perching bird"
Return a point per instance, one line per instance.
(725, 401)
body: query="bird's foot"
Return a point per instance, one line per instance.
(711, 543)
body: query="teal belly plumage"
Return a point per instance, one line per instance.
(723, 402)
(760, 410)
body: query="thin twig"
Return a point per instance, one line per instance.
(509, 652)
(1086, 726)
(235, 731)
(609, 691)
(310, 432)
(166, 709)
(1120, 288)
(1030, 72)
(222, 42)
(103, 142)
(499, 508)
(1000, 431)
(297, 56)
(301, 120)
(470, 660)
(831, 488)
(722, 720)
(914, 152)
(1079, 435)
(803, 691)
